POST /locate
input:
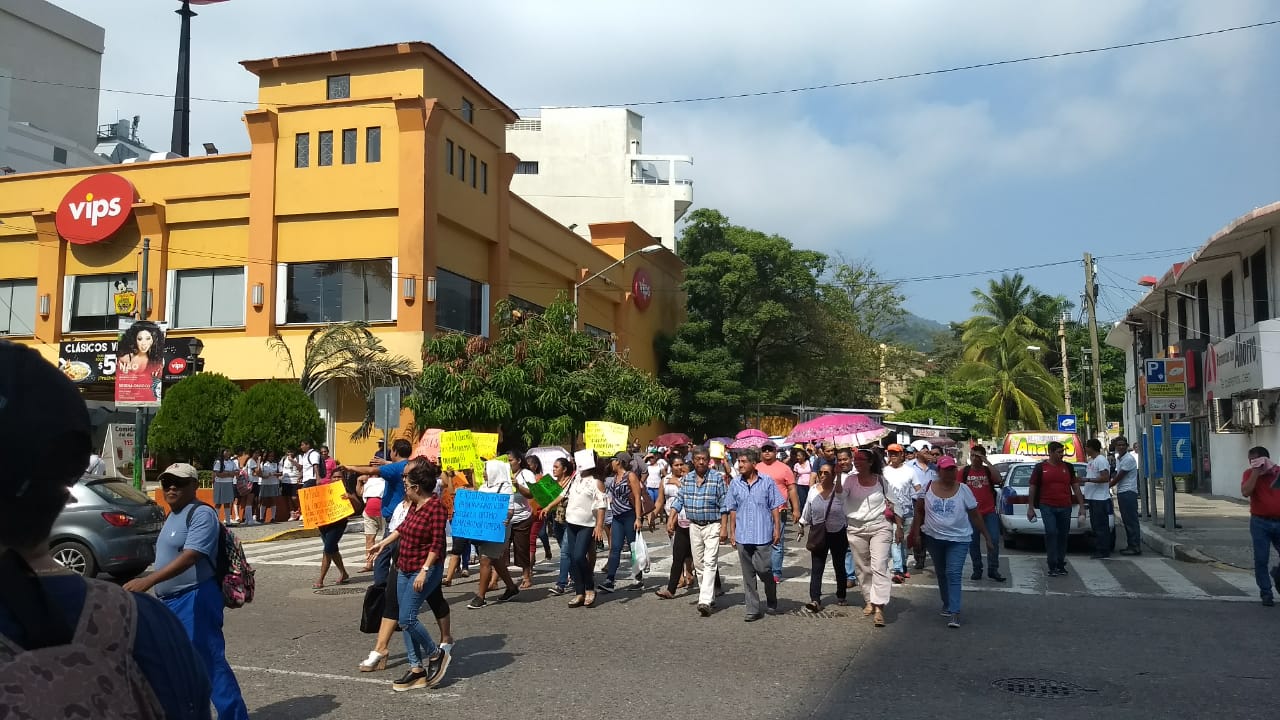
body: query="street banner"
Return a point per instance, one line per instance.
(606, 438)
(486, 444)
(716, 449)
(428, 445)
(117, 451)
(546, 490)
(480, 517)
(140, 365)
(458, 450)
(324, 504)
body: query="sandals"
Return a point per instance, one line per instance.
(813, 607)
(878, 617)
(589, 600)
(344, 581)
(317, 586)
(577, 602)
(662, 593)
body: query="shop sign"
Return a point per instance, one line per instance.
(641, 289)
(140, 365)
(90, 361)
(926, 432)
(95, 208)
(1234, 365)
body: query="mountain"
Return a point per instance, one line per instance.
(915, 332)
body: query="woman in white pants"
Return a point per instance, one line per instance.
(870, 531)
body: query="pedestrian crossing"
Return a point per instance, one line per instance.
(1120, 577)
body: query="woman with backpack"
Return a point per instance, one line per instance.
(871, 526)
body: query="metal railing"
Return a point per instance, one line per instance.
(659, 181)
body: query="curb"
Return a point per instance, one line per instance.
(287, 535)
(1157, 541)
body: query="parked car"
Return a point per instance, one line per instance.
(1013, 506)
(107, 526)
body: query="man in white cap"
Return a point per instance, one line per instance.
(925, 472)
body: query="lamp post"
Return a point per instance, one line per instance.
(642, 251)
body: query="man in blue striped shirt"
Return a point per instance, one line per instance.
(701, 499)
(755, 522)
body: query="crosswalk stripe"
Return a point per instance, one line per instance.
(1097, 578)
(1169, 580)
(1026, 574)
(1242, 581)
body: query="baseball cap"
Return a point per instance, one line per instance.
(946, 461)
(43, 408)
(922, 445)
(769, 446)
(180, 471)
(895, 447)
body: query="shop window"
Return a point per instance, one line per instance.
(527, 167)
(339, 87)
(349, 147)
(338, 291)
(210, 297)
(17, 307)
(484, 178)
(325, 155)
(373, 145)
(92, 306)
(460, 303)
(468, 111)
(527, 307)
(302, 150)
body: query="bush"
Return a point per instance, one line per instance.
(188, 426)
(273, 415)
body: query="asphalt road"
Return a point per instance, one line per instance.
(1136, 644)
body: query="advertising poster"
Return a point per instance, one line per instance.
(117, 451)
(97, 361)
(140, 365)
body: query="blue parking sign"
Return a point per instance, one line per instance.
(1067, 423)
(1155, 371)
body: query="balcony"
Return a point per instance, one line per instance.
(659, 181)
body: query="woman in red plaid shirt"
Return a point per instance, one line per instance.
(420, 564)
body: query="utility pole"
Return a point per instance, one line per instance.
(1062, 351)
(1090, 303)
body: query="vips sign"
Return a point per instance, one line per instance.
(92, 361)
(95, 208)
(641, 289)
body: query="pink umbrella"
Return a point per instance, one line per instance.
(828, 427)
(750, 441)
(751, 433)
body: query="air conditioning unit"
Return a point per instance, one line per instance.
(1221, 415)
(1247, 413)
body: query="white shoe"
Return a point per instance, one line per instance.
(376, 661)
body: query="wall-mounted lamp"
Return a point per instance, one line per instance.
(44, 305)
(431, 289)
(258, 296)
(410, 288)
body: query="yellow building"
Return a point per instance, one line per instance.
(376, 188)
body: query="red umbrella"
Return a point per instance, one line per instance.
(751, 433)
(672, 438)
(827, 427)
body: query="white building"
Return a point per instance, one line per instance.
(1221, 311)
(587, 165)
(52, 123)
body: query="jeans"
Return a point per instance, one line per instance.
(1099, 521)
(992, 521)
(200, 610)
(948, 564)
(1265, 534)
(837, 546)
(899, 550)
(624, 531)
(578, 539)
(779, 550)
(382, 563)
(562, 537)
(417, 640)
(802, 494)
(1128, 502)
(1057, 526)
(849, 570)
(755, 566)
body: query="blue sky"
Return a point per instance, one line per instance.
(1145, 149)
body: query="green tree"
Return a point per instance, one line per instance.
(538, 379)
(273, 415)
(348, 353)
(1019, 387)
(193, 413)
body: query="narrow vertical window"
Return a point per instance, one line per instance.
(349, 147)
(302, 150)
(326, 148)
(373, 145)
(484, 178)
(448, 155)
(468, 111)
(474, 181)
(462, 163)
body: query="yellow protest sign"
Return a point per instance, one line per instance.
(486, 444)
(458, 450)
(716, 449)
(324, 504)
(606, 438)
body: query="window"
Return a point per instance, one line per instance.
(474, 174)
(301, 150)
(596, 332)
(484, 178)
(92, 302)
(527, 307)
(338, 291)
(1164, 334)
(1258, 281)
(339, 87)
(527, 167)
(1182, 318)
(59, 155)
(462, 163)
(17, 307)
(212, 297)
(1202, 309)
(326, 148)
(459, 303)
(1228, 288)
(373, 145)
(349, 147)
(448, 155)
(468, 111)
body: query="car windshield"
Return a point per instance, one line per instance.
(117, 491)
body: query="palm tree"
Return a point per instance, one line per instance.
(1021, 389)
(349, 352)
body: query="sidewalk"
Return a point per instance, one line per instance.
(1214, 529)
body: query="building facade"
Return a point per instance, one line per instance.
(377, 188)
(1221, 312)
(586, 165)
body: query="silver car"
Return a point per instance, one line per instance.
(107, 526)
(1013, 506)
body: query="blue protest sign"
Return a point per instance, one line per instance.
(480, 516)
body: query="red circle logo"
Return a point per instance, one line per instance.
(641, 289)
(95, 208)
(177, 366)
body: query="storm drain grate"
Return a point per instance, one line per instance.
(820, 615)
(340, 591)
(1040, 688)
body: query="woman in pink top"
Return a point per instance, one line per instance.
(803, 470)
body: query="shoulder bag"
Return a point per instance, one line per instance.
(818, 533)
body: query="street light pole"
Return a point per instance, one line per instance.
(644, 250)
(180, 140)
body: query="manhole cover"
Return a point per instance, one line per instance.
(340, 591)
(820, 615)
(1040, 688)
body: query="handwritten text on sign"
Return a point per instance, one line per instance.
(480, 517)
(486, 444)
(324, 504)
(458, 449)
(606, 438)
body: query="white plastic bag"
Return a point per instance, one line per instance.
(639, 554)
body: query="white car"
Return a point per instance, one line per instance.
(1013, 507)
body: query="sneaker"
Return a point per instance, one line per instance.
(771, 609)
(637, 585)
(777, 579)
(954, 622)
(704, 610)
(1053, 573)
(1130, 551)
(437, 665)
(996, 576)
(1268, 602)
(557, 590)
(510, 593)
(977, 575)
(1062, 571)
(411, 680)
(476, 603)
(906, 575)
(945, 613)
(607, 586)
(898, 579)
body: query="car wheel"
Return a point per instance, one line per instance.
(75, 557)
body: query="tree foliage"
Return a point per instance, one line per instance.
(539, 379)
(273, 415)
(193, 413)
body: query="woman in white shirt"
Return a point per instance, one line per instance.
(290, 478)
(269, 489)
(871, 524)
(947, 512)
(370, 488)
(584, 504)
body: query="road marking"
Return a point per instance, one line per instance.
(1026, 574)
(331, 677)
(1243, 581)
(1168, 579)
(1097, 579)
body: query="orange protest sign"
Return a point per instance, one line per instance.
(324, 504)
